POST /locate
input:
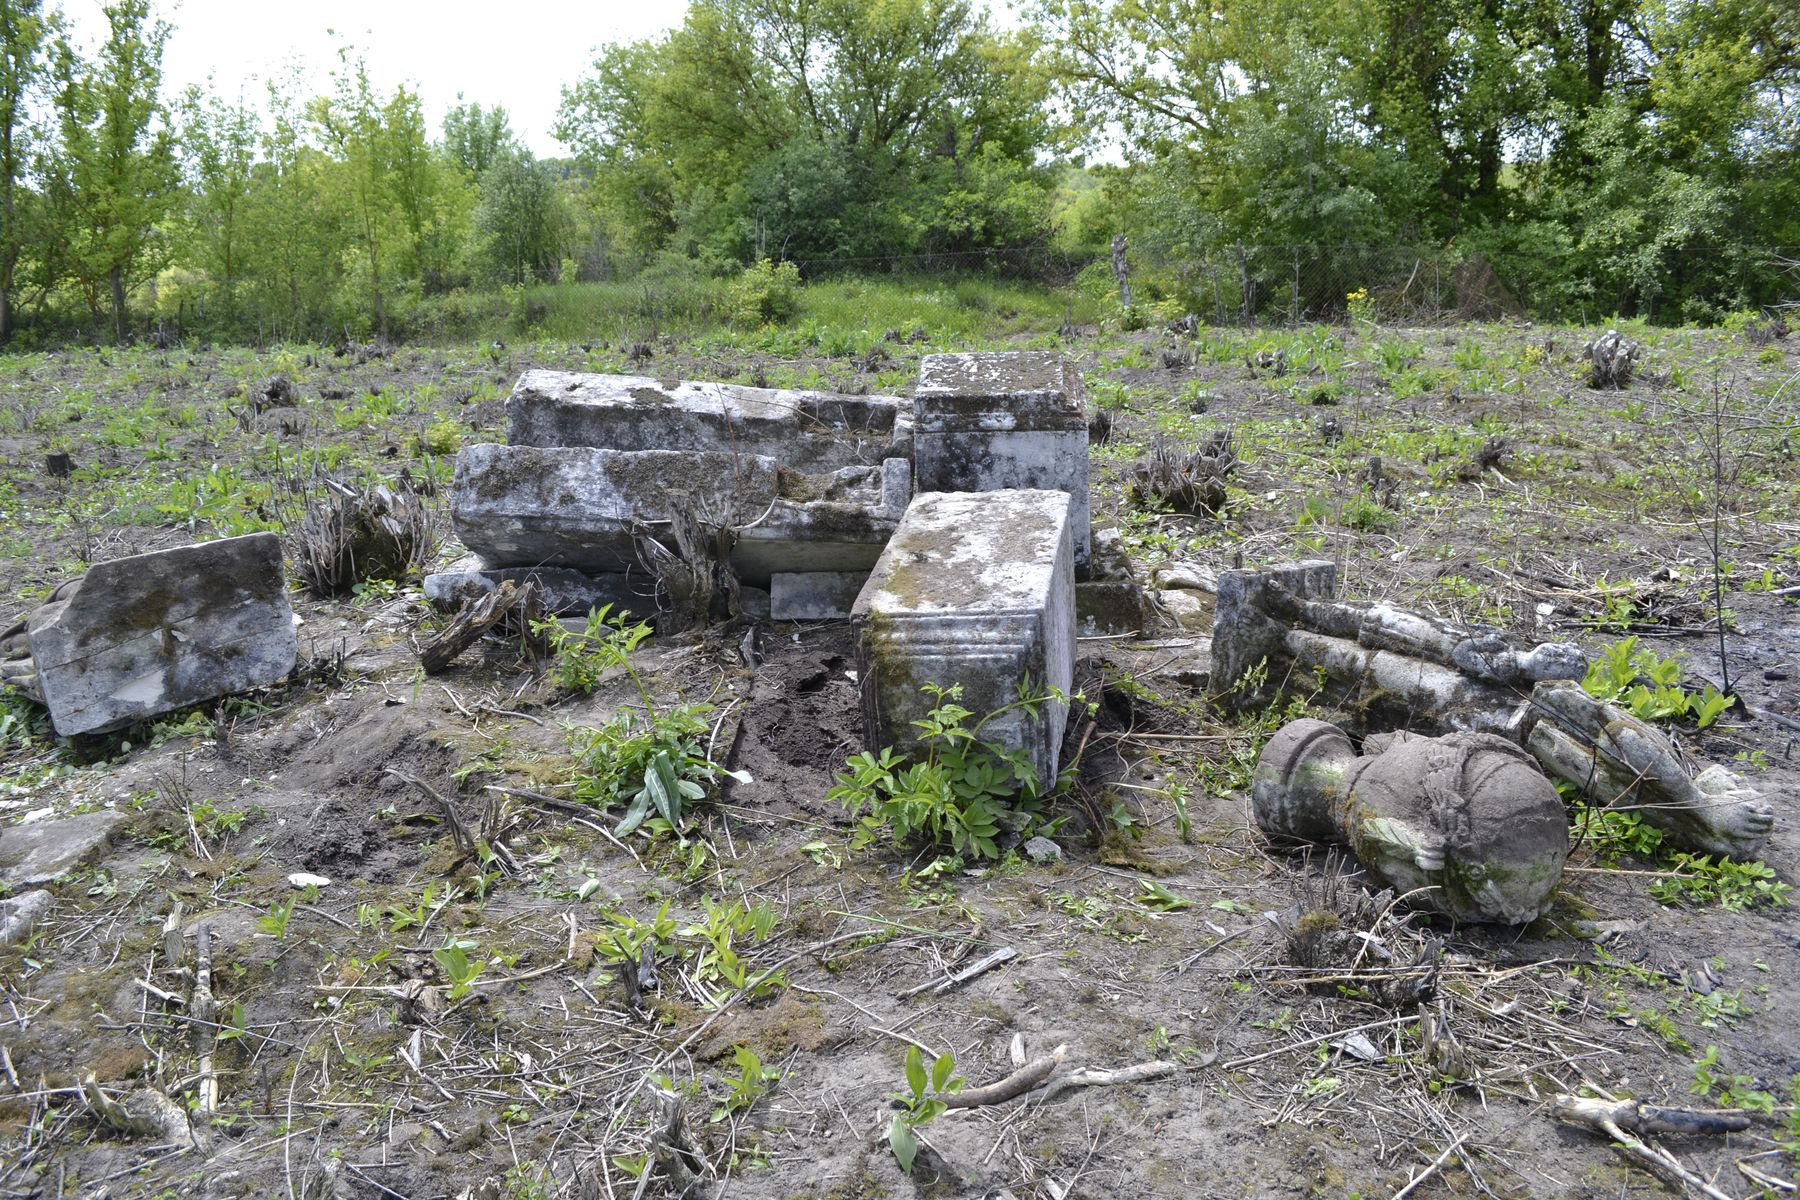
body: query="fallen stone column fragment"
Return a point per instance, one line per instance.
(1466, 824)
(977, 590)
(152, 633)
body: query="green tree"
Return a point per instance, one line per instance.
(476, 137)
(219, 142)
(113, 173)
(519, 223)
(23, 33)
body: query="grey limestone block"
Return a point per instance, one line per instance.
(814, 595)
(1004, 420)
(978, 590)
(810, 431)
(585, 507)
(43, 851)
(152, 633)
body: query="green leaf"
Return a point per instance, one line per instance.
(634, 816)
(902, 1143)
(915, 1073)
(940, 1071)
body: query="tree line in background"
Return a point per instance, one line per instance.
(1634, 156)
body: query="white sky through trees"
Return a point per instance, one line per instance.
(516, 55)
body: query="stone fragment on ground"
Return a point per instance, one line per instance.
(43, 851)
(586, 508)
(976, 589)
(152, 633)
(20, 914)
(566, 592)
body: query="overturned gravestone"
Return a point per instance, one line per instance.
(1393, 668)
(152, 633)
(587, 508)
(976, 590)
(807, 431)
(991, 421)
(1465, 824)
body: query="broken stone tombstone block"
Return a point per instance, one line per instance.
(1465, 824)
(814, 595)
(1615, 758)
(1011, 419)
(976, 589)
(584, 508)
(20, 914)
(566, 592)
(1110, 599)
(155, 632)
(809, 431)
(42, 851)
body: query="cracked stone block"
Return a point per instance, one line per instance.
(43, 851)
(584, 507)
(1012, 419)
(976, 589)
(814, 595)
(1109, 598)
(152, 633)
(809, 431)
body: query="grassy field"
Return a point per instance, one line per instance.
(1469, 471)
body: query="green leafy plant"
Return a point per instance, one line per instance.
(580, 658)
(653, 761)
(1649, 686)
(1729, 1089)
(924, 1102)
(1152, 894)
(1732, 885)
(951, 793)
(750, 1084)
(459, 968)
(275, 921)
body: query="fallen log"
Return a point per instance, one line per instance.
(475, 618)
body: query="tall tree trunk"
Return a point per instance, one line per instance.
(6, 313)
(117, 277)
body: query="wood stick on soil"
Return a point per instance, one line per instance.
(979, 967)
(1093, 1077)
(1025, 1079)
(1613, 1118)
(458, 830)
(475, 618)
(1433, 1169)
(204, 1009)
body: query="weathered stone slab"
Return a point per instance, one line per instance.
(809, 431)
(989, 421)
(566, 592)
(20, 914)
(976, 589)
(46, 850)
(814, 595)
(155, 632)
(583, 508)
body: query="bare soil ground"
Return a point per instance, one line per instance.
(1506, 491)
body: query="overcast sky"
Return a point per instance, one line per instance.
(517, 55)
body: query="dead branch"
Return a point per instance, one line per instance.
(1093, 1077)
(204, 1010)
(1614, 1118)
(459, 831)
(1025, 1079)
(475, 618)
(979, 967)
